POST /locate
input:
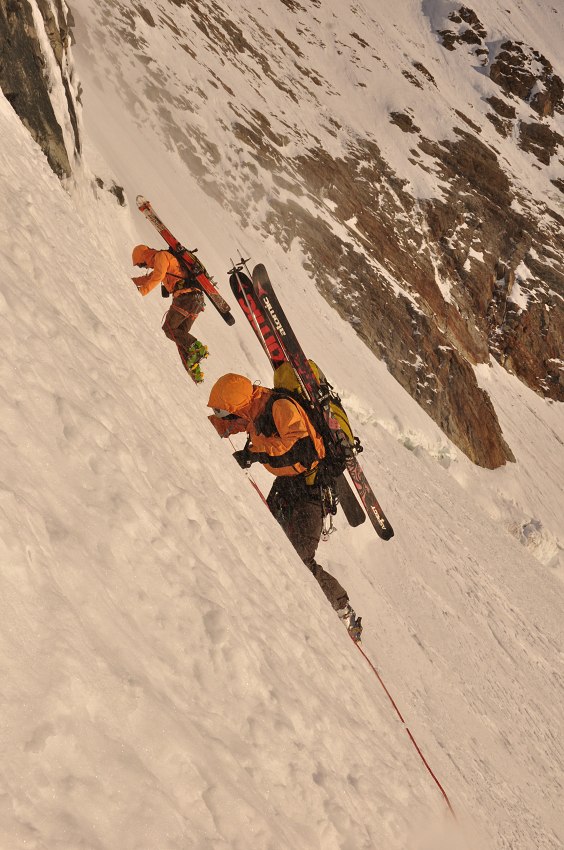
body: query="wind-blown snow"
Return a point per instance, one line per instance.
(172, 675)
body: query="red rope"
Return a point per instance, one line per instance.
(411, 738)
(376, 673)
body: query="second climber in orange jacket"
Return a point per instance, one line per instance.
(283, 439)
(187, 302)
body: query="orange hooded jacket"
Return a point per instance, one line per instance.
(295, 449)
(166, 270)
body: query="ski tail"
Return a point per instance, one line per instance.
(372, 507)
(193, 265)
(352, 508)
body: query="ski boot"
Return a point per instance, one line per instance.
(196, 373)
(351, 621)
(197, 352)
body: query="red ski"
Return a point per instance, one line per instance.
(189, 259)
(242, 289)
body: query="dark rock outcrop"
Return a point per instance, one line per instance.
(465, 29)
(424, 340)
(522, 304)
(539, 140)
(404, 122)
(520, 323)
(28, 76)
(521, 71)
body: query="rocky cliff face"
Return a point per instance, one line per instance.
(413, 157)
(397, 307)
(518, 282)
(432, 286)
(36, 76)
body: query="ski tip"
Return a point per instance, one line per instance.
(387, 533)
(229, 318)
(259, 269)
(141, 201)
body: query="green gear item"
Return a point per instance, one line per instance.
(195, 373)
(197, 351)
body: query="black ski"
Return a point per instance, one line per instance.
(287, 340)
(352, 508)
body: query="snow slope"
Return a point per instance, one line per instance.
(173, 676)
(160, 104)
(188, 75)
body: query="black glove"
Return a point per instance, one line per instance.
(243, 458)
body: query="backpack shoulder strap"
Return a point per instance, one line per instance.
(264, 423)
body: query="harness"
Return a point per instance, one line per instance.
(183, 312)
(179, 288)
(176, 291)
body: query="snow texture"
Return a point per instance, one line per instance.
(172, 675)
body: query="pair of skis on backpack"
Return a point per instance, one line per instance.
(256, 297)
(260, 305)
(189, 259)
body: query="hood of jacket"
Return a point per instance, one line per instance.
(237, 394)
(143, 254)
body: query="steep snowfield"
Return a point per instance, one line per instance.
(189, 75)
(172, 675)
(161, 102)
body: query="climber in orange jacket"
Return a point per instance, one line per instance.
(283, 439)
(187, 302)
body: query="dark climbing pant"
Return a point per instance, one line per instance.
(182, 314)
(298, 510)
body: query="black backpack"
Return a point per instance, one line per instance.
(334, 462)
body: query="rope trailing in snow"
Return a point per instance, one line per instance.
(376, 673)
(411, 738)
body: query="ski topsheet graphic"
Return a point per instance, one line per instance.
(243, 290)
(273, 315)
(189, 259)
